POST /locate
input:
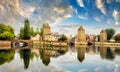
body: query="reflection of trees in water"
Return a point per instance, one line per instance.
(117, 51)
(110, 55)
(45, 54)
(81, 53)
(107, 53)
(25, 55)
(91, 49)
(6, 56)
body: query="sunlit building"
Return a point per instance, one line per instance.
(103, 36)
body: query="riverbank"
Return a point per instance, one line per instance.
(32, 44)
(5, 44)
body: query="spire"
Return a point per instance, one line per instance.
(103, 31)
(81, 28)
(46, 25)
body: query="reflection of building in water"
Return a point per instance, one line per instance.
(103, 36)
(46, 59)
(107, 53)
(91, 50)
(35, 51)
(81, 53)
(103, 52)
(45, 54)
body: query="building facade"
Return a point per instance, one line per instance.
(81, 37)
(46, 29)
(103, 36)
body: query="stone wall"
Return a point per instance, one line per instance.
(5, 44)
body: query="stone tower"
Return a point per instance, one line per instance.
(103, 36)
(81, 35)
(46, 29)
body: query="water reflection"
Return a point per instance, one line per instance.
(45, 58)
(6, 56)
(25, 55)
(61, 56)
(46, 54)
(107, 53)
(81, 53)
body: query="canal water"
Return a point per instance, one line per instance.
(72, 59)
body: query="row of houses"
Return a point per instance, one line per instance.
(47, 37)
(47, 34)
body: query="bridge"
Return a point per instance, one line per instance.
(25, 43)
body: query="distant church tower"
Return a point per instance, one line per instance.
(81, 35)
(103, 36)
(46, 29)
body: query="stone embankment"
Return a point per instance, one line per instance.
(5, 44)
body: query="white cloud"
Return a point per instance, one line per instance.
(38, 12)
(76, 11)
(80, 2)
(118, 1)
(110, 21)
(116, 15)
(59, 10)
(98, 19)
(26, 11)
(109, 1)
(82, 17)
(100, 5)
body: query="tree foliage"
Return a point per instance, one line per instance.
(32, 31)
(7, 36)
(41, 31)
(117, 37)
(6, 32)
(37, 31)
(21, 32)
(6, 56)
(26, 30)
(98, 36)
(62, 38)
(110, 32)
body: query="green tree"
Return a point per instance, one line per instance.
(117, 37)
(110, 32)
(98, 36)
(6, 32)
(26, 29)
(37, 31)
(7, 36)
(41, 31)
(62, 38)
(32, 31)
(21, 32)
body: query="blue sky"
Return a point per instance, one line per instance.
(64, 16)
